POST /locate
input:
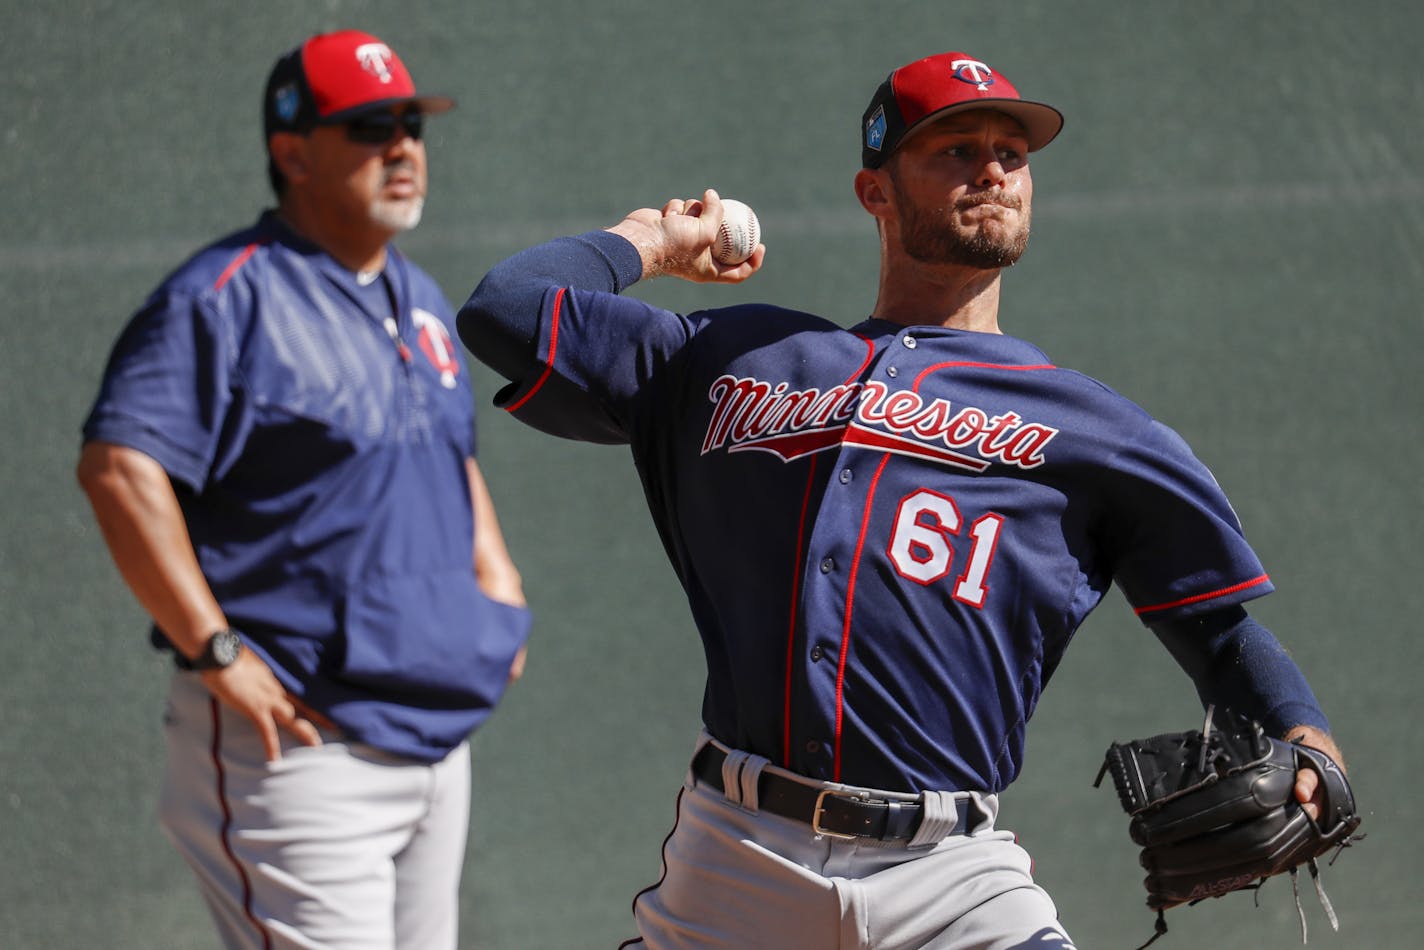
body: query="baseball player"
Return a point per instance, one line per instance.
(887, 535)
(281, 459)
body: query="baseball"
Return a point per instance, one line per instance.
(739, 235)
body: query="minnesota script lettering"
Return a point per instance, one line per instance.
(749, 414)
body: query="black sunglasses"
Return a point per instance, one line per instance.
(378, 128)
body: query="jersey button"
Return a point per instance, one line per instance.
(892, 372)
(827, 565)
(813, 747)
(910, 342)
(816, 654)
(846, 476)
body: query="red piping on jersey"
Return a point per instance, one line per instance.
(955, 365)
(553, 351)
(236, 264)
(796, 577)
(850, 599)
(224, 832)
(795, 599)
(1197, 598)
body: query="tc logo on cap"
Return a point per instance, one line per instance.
(373, 58)
(973, 72)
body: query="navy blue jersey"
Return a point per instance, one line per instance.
(888, 535)
(317, 429)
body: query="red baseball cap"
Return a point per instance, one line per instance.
(937, 86)
(333, 77)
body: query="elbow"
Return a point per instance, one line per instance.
(108, 471)
(478, 317)
(468, 323)
(499, 323)
(468, 320)
(95, 469)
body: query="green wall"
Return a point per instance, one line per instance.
(1230, 230)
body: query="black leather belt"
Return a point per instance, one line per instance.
(831, 812)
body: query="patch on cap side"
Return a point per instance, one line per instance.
(287, 100)
(875, 130)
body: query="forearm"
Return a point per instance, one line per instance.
(1236, 662)
(142, 524)
(495, 570)
(648, 240)
(500, 322)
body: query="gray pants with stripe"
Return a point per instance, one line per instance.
(342, 846)
(734, 877)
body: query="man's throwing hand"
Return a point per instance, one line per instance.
(678, 240)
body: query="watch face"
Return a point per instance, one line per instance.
(226, 646)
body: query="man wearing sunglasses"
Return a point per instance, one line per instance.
(281, 460)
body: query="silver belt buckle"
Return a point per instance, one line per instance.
(820, 810)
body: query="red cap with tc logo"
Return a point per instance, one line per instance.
(940, 85)
(334, 76)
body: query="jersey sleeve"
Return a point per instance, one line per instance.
(1178, 548)
(165, 391)
(579, 357)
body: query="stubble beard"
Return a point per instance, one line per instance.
(930, 238)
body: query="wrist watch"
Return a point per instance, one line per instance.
(221, 651)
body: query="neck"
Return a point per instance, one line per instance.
(916, 294)
(355, 245)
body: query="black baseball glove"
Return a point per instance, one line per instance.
(1215, 811)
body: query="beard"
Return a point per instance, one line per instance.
(399, 215)
(930, 238)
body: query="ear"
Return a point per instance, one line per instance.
(875, 190)
(289, 154)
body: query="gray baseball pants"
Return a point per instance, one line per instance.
(738, 879)
(341, 846)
